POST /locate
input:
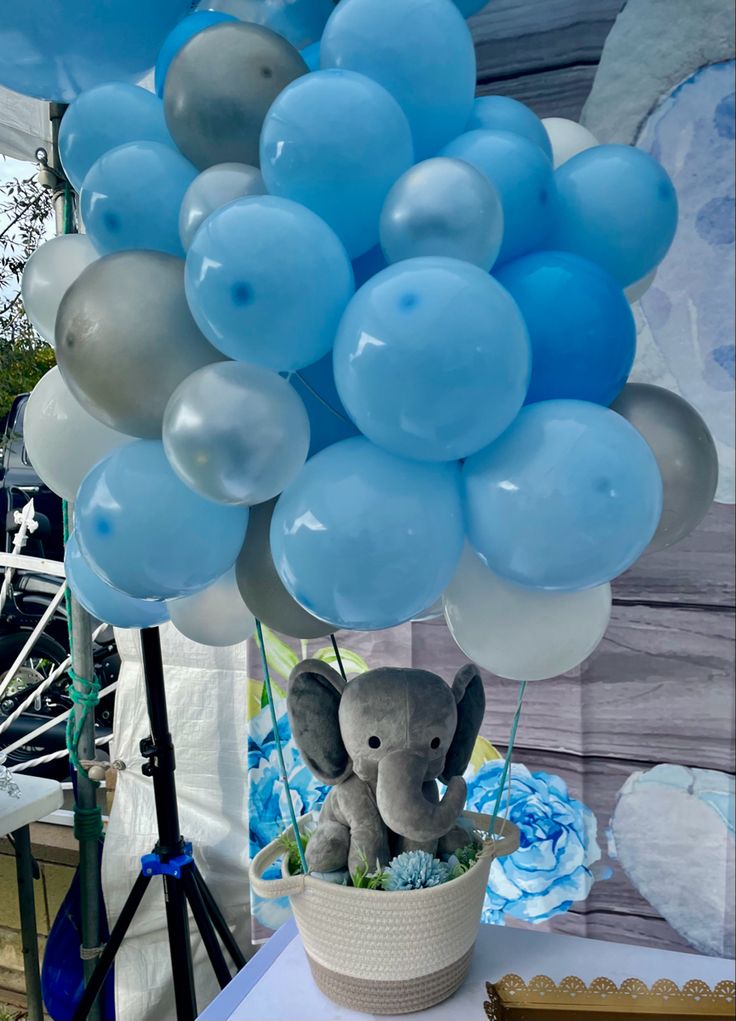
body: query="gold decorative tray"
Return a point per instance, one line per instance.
(512, 999)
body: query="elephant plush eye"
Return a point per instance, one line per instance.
(374, 742)
(434, 743)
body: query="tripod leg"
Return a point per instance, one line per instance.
(107, 956)
(204, 924)
(223, 929)
(177, 923)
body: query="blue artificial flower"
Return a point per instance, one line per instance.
(415, 870)
(553, 865)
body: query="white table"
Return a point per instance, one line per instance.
(276, 984)
(38, 798)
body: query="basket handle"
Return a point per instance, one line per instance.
(507, 833)
(273, 888)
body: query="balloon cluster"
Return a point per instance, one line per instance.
(344, 339)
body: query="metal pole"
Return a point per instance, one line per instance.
(27, 905)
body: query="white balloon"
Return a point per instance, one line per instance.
(639, 287)
(49, 273)
(62, 439)
(212, 189)
(520, 633)
(568, 138)
(215, 616)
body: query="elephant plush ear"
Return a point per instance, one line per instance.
(471, 704)
(312, 702)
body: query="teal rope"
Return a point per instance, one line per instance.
(279, 749)
(507, 763)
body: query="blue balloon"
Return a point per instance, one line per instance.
(368, 264)
(335, 142)
(470, 7)
(103, 601)
(366, 540)
(432, 359)
(502, 113)
(299, 21)
(420, 50)
(329, 422)
(311, 56)
(566, 499)
(145, 532)
(580, 324)
(181, 34)
(102, 119)
(58, 50)
(617, 206)
(524, 179)
(267, 282)
(131, 198)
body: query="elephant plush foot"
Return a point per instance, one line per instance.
(327, 850)
(368, 849)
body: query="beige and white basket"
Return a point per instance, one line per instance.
(387, 952)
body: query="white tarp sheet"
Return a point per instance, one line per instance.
(206, 695)
(24, 125)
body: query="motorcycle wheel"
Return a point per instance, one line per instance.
(41, 660)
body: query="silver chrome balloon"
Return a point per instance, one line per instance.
(261, 587)
(219, 88)
(685, 453)
(125, 339)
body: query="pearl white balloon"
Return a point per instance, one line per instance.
(216, 615)
(213, 188)
(568, 138)
(49, 273)
(520, 633)
(640, 287)
(62, 439)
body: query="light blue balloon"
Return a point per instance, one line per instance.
(580, 324)
(147, 533)
(329, 422)
(267, 282)
(444, 207)
(470, 7)
(618, 207)
(102, 119)
(131, 198)
(311, 56)
(524, 179)
(366, 540)
(104, 602)
(432, 359)
(299, 21)
(420, 50)
(568, 498)
(180, 34)
(502, 113)
(58, 50)
(335, 142)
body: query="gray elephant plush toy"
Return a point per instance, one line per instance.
(381, 741)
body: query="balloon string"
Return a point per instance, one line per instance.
(279, 748)
(321, 399)
(338, 657)
(507, 763)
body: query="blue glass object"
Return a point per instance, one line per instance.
(524, 179)
(420, 50)
(131, 198)
(103, 601)
(180, 34)
(366, 540)
(618, 207)
(267, 282)
(102, 119)
(336, 141)
(329, 422)
(566, 499)
(580, 324)
(146, 533)
(502, 113)
(432, 359)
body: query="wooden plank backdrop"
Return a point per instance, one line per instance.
(661, 686)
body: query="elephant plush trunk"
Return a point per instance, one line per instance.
(402, 804)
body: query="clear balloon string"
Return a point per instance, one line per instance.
(507, 763)
(320, 398)
(279, 747)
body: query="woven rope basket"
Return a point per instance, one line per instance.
(386, 952)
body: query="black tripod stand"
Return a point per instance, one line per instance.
(172, 859)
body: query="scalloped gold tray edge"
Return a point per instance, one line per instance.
(512, 999)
